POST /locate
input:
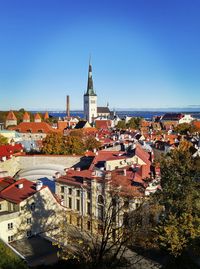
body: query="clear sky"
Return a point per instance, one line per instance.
(145, 53)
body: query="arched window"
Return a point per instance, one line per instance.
(100, 199)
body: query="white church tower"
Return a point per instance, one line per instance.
(90, 99)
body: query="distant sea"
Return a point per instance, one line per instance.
(148, 115)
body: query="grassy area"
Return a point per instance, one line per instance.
(9, 260)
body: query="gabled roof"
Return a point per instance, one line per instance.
(82, 124)
(37, 116)
(15, 194)
(26, 116)
(103, 109)
(172, 116)
(11, 116)
(5, 182)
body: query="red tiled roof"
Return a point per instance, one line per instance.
(46, 115)
(15, 195)
(34, 127)
(11, 116)
(196, 124)
(37, 116)
(8, 150)
(26, 116)
(5, 182)
(102, 124)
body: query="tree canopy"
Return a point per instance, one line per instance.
(180, 196)
(3, 140)
(75, 143)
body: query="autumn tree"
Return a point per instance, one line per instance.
(185, 128)
(91, 143)
(54, 144)
(3, 140)
(180, 197)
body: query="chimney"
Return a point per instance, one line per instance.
(68, 107)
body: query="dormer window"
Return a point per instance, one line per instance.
(29, 131)
(40, 131)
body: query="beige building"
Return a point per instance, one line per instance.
(27, 209)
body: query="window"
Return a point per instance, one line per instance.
(78, 205)
(78, 221)
(70, 191)
(62, 197)
(88, 208)
(10, 226)
(0, 207)
(70, 202)
(28, 233)
(100, 199)
(78, 193)
(32, 206)
(70, 219)
(88, 195)
(28, 220)
(10, 238)
(88, 225)
(100, 212)
(62, 189)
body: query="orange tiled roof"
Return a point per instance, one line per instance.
(34, 127)
(46, 115)
(26, 116)
(11, 116)
(37, 116)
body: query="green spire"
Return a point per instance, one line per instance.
(90, 88)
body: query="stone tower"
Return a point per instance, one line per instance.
(90, 99)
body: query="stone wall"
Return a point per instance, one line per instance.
(38, 160)
(15, 164)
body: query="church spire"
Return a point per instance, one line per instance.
(90, 88)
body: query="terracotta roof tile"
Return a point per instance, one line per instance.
(11, 116)
(16, 195)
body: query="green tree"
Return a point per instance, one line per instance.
(3, 140)
(185, 128)
(9, 259)
(180, 197)
(121, 124)
(134, 123)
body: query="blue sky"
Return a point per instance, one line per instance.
(145, 53)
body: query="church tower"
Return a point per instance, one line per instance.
(90, 99)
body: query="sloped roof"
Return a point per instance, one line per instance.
(26, 116)
(82, 124)
(103, 109)
(37, 116)
(11, 116)
(16, 195)
(172, 116)
(34, 127)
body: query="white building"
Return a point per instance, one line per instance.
(187, 118)
(26, 209)
(90, 99)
